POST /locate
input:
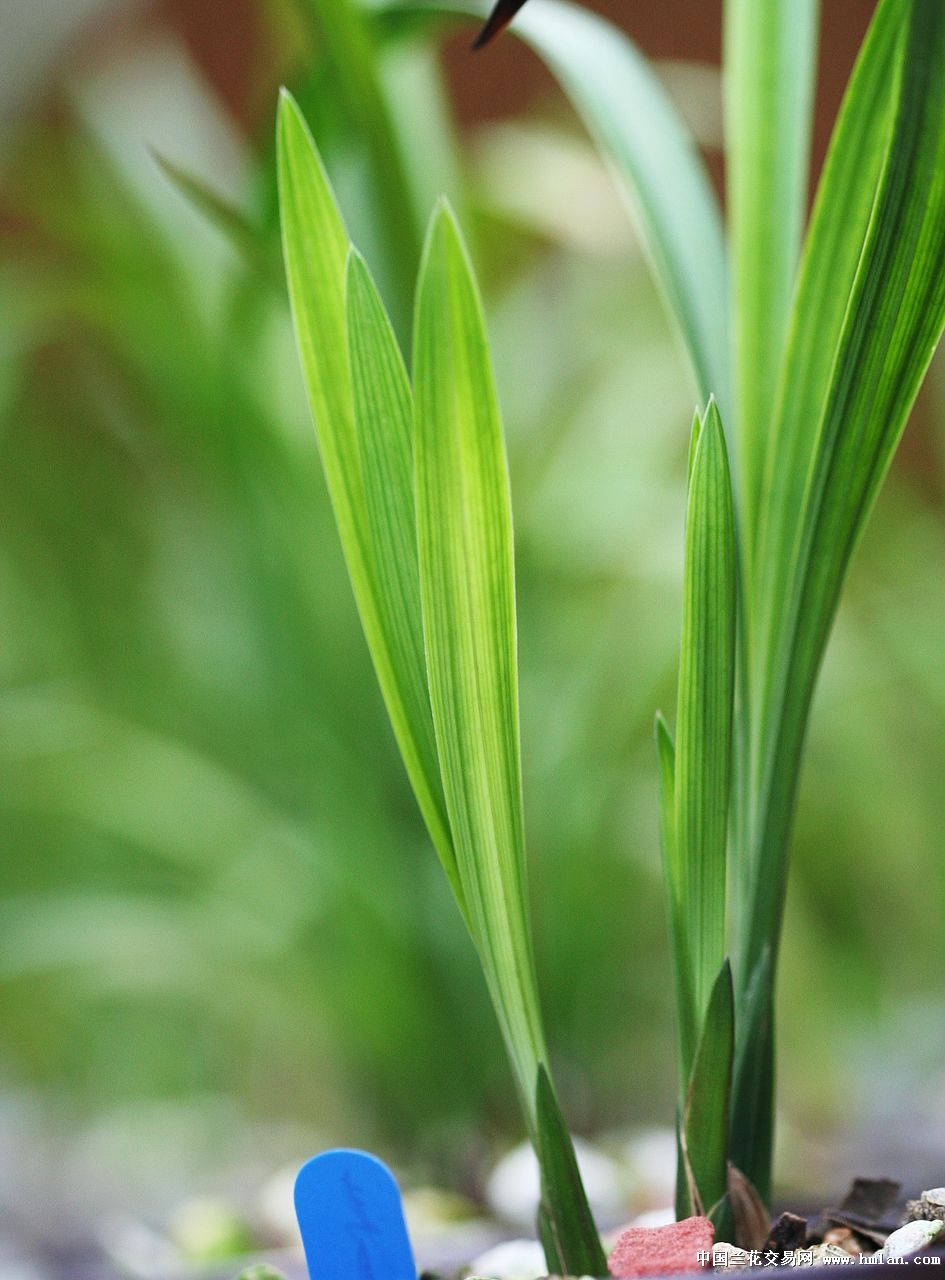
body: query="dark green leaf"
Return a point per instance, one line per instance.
(706, 1114)
(866, 354)
(752, 1135)
(682, 965)
(569, 1236)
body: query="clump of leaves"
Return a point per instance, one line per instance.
(807, 359)
(419, 483)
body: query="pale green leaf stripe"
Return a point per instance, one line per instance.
(704, 716)
(639, 131)
(467, 589)
(894, 320)
(368, 476)
(770, 65)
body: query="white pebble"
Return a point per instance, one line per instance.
(911, 1238)
(513, 1189)
(514, 1260)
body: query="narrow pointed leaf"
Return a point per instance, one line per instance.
(842, 212)
(694, 432)
(569, 1236)
(770, 61)
(706, 1114)
(468, 594)
(365, 455)
(686, 1025)
(467, 589)
(232, 222)
(383, 416)
(500, 17)
(751, 1143)
(639, 131)
(704, 728)
(666, 754)
(344, 31)
(892, 323)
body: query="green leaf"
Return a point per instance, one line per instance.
(566, 1226)
(832, 252)
(464, 525)
(870, 310)
(842, 212)
(344, 32)
(686, 1022)
(704, 728)
(706, 1114)
(464, 528)
(752, 1135)
(628, 112)
(770, 63)
(233, 224)
(366, 455)
(893, 320)
(666, 753)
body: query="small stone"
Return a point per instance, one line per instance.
(514, 1185)
(206, 1229)
(844, 1239)
(830, 1255)
(655, 1251)
(728, 1257)
(787, 1235)
(514, 1260)
(929, 1206)
(911, 1238)
(653, 1218)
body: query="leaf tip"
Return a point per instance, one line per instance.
(712, 416)
(500, 17)
(288, 110)
(356, 269)
(443, 218)
(444, 240)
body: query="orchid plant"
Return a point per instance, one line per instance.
(807, 340)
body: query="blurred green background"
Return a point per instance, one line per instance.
(224, 939)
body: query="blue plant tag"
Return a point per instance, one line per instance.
(351, 1219)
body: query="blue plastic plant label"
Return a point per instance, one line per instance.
(351, 1219)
